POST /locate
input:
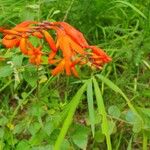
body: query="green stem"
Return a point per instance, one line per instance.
(144, 141)
(19, 105)
(69, 8)
(74, 103)
(108, 141)
(6, 85)
(37, 84)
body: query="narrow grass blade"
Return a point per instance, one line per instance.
(74, 103)
(130, 144)
(133, 7)
(118, 90)
(91, 106)
(145, 138)
(7, 84)
(102, 111)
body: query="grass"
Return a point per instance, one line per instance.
(104, 109)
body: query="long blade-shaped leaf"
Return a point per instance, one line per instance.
(130, 144)
(133, 7)
(102, 111)
(90, 106)
(74, 103)
(117, 89)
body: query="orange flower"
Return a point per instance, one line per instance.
(11, 32)
(13, 36)
(35, 55)
(10, 43)
(74, 34)
(50, 40)
(59, 68)
(37, 34)
(23, 46)
(69, 49)
(98, 57)
(70, 44)
(10, 39)
(26, 23)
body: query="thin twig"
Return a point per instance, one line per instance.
(67, 12)
(37, 84)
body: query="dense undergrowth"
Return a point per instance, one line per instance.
(103, 109)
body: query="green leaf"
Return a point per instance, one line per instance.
(37, 138)
(5, 71)
(91, 106)
(37, 110)
(80, 136)
(145, 111)
(18, 128)
(133, 119)
(45, 147)
(137, 127)
(17, 60)
(72, 108)
(130, 144)
(3, 121)
(49, 127)
(133, 7)
(111, 126)
(99, 136)
(65, 145)
(2, 144)
(23, 145)
(102, 111)
(146, 93)
(117, 89)
(110, 83)
(130, 117)
(34, 128)
(114, 111)
(1, 133)
(30, 75)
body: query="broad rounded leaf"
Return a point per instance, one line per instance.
(5, 71)
(114, 111)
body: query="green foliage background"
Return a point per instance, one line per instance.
(32, 117)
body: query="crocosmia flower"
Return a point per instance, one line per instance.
(68, 47)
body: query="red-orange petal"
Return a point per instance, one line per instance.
(1, 29)
(74, 34)
(38, 60)
(10, 37)
(75, 73)
(38, 35)
(68, 67)
(65, 46)
(100, 53)
(50, 40)
(75, 62)
(10, 43)
(23, 46)
(76, 47)
(21, 29)
(59, 68)
(11, 32)
(53, 61)
(51, 56)
(32, 59)
(26, 23)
